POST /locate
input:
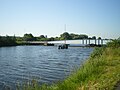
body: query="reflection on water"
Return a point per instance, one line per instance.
(46, 64)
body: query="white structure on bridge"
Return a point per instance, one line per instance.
(83, 41)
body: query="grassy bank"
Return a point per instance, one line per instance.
(100, 72)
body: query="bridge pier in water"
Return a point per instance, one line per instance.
(95, 42)
(83, 41)
(86, 41)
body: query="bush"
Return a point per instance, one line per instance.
(114, 44)
(97, 52)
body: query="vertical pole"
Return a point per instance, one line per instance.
(65, 31)
(98, 41)
(95, 41)
(82, 41)
(86, 41)
(101, 41)
(89, 41)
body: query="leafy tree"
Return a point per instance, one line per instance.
(51, 39)
(42, 36)
(19, 39)
(77, 36)
(94, 37)
(99, 38)
(74, 36)
(114, 44)
(89, 38)
(56, 38)
(119, 38)
(28, 37)
(83, 36)
(7, 41)
(65, 36)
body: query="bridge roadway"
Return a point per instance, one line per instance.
(80, 41)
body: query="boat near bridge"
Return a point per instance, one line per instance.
(82, 42)
(70, 43)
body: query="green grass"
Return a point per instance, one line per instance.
(100, 72)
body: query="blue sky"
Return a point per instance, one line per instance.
(48, 17)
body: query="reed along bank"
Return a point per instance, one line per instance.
(100, 72)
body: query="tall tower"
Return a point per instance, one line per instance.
(65, 31)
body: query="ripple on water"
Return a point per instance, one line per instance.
(47, 64)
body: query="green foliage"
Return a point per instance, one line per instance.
(99, 38)
(57, 38)
(76, 36)
(114, 44)
(65, 36)
(19, 39)
(51, 39)
(41, 38)
(28, 37)
(94, 37)
(100, 72)
(119, 38)
(98, 51)
(72, 36)
(7, 41)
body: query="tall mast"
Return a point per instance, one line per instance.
(65, 31)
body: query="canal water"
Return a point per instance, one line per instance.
(47, 64)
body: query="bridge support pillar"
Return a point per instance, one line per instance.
(98, 42)
(83, 41)
(89, 41)
(95, 41)
(86, 41)
(101, 41)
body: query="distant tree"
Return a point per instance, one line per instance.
(94, 37)
(77, 36)
(28, 37)
(99, 38)
(89, 38)
(73, 36)
(19, 39)
(0, 37)
(0, 40)
(51, 39)
(42, 36)
(7, 40)
(65, 35)
(119, 38)
(83, 36)
(114, 44)
(56, 38)
(45, 36)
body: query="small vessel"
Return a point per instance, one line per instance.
(63, 46)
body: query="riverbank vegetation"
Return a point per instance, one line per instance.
(63, 36)
(16, 40)
(7, 41)
(100, 72)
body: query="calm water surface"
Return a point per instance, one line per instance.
(46, 64)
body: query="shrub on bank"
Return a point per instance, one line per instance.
(114, 44)
(100, 72)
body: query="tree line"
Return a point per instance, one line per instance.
(8, 41)
(64, 36)
(13, 40)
